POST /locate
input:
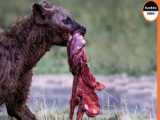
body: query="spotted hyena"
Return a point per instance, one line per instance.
(22, 47)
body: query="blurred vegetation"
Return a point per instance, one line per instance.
(119, 40)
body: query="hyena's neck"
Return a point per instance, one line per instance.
(33, 40)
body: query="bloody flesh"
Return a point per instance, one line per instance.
(84, 83)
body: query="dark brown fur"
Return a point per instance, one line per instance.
(20, 49)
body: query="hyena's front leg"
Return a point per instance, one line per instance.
(21, 112)
(16, 103)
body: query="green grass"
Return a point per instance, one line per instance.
(113, 116)
(45, 114)
(64, 116)
(42, 112)
(119, 40)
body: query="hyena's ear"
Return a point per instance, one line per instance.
(38, 13)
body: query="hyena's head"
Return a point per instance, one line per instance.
(57, 19)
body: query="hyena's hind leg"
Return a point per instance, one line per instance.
(16, 103)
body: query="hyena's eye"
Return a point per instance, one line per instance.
(67, 21)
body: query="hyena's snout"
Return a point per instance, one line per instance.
(82, 30)
(77, 27)
(74, 26)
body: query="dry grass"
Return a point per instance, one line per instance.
(43, 113)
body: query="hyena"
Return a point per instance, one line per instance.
(23, 45)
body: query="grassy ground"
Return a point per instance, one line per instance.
(64, 116)
(113, 116)
(47, 103)
(50, 115)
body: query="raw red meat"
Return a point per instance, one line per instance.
(84, 83)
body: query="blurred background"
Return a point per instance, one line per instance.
(119, 40)
(121, 49)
